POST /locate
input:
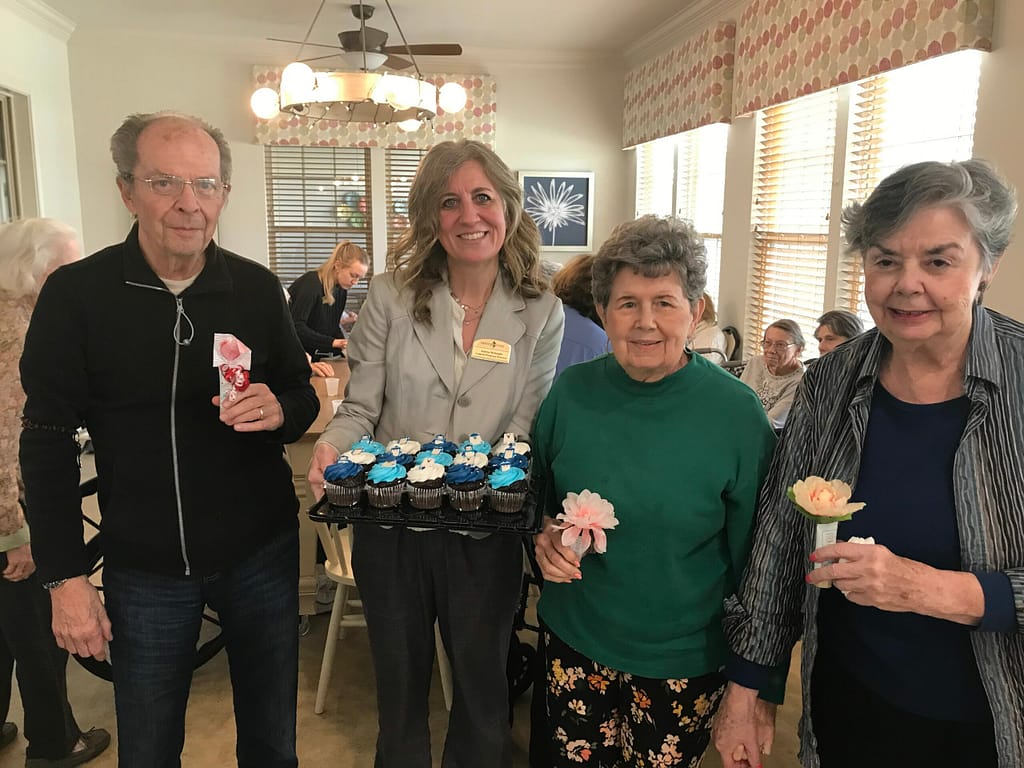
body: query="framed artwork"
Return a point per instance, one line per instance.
(562, 204)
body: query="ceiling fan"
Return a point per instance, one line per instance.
(366, 48)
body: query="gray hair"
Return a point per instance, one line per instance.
(792, 327)
(124, 144)
(988, 203)
(842, 322)
(27, 249)
(652, 246)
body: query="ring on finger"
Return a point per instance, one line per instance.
(261, 413)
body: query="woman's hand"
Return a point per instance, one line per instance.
(872, 575)
(744, 727)
(323, 456)
(19, 563)
(322, 369)
(557, 563)
(339, 344)
(254, 409)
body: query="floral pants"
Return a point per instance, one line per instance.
(605, 718)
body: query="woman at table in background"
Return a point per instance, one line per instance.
(708, 339)
(679, 446)
(775, 374)
(916, 657)
(836, 327)
(468, 275)
(317, 299)
(30, 250)
(584, 338)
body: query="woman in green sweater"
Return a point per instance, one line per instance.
(633, 635)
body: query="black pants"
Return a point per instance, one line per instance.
(406, 580)
(855, 727)
(27, 645)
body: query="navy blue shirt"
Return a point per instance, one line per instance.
(920, 664)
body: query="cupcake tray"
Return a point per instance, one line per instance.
(484, 520)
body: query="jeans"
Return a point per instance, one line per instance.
(155, 622)
(27, 644)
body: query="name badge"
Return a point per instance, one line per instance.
(491, 350)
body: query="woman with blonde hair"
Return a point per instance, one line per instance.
(708, 339)
(468, 282)
(317, 299)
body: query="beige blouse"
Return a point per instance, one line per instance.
(14, 317)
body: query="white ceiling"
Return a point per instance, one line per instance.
(545, 29)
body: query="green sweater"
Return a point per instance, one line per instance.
(681, 459)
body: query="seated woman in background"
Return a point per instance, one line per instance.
(708, 339)
(775, 374)
(633, 636)
(835, 327)
(317, 299)
(584, 338)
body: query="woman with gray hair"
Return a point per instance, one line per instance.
(678, 446)
(775, 374)
(835, 327)
(30, 251)
(916, 657)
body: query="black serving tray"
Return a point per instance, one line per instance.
(484, 520)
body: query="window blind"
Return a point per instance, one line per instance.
(655, 177)
(792, 197)
(920, 112)
(8, 187)
(401, 166)
(316, 197)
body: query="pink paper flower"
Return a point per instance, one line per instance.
(824, 501)
(586, 517)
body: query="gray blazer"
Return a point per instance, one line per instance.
(403, 372)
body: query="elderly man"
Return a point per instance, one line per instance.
(196, 497)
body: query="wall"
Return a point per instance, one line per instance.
(567, 117)
(34, 63)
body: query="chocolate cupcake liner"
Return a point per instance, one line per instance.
(507, 502)
(382, 496)
(343, 495)
(466, 501)
(425, 498)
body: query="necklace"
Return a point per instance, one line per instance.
(472, 313)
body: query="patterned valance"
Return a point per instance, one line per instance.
(790, 48)
(476, 121)
(685, 88)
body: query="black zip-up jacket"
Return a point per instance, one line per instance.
(180, 492)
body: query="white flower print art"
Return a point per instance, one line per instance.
(561, 204)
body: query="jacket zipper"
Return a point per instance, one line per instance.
(178, 343)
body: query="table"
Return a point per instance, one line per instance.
(300, 453)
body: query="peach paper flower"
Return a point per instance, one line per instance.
(586, 515)
(823, 501)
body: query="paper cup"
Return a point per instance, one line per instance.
(331, 385)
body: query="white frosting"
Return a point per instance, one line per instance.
(359, 456)
(473, 458)
(428, 469)
(508, 440)
(406, 445)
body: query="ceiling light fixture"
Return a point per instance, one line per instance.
(363, 96)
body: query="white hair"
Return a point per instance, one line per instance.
(27, 249)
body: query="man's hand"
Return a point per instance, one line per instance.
(19, 563)
(254, 409)
(323, 457)
(80, 623)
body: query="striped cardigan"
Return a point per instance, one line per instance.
(824, 436)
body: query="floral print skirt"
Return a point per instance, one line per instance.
(605, 718)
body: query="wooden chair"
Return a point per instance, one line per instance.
(337, 543)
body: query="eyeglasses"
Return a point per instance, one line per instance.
(172, 186)
(778, 346)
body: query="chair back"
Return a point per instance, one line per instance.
(337, 544)
(733, 343)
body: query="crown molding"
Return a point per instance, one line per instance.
(42, 16)
(697, 16)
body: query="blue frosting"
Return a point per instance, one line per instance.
(396, 455)
(441, 443)
(481, 446)
(463, 473)
(342, 470)
(366, 443)
(442, 458)
(516, 460)
(386, 472)
(505, 475)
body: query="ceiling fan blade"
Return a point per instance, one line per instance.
(426, 49)
(397, 62)
(299, 42)
(320, 58)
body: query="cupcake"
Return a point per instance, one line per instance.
(442, 444)
(384, 484)
(472, 458)
(476, 443)
(507, 441)
(508, 488)
(425, 484)
(441, 457)
(406, 445)
(343, 482)
(368, 444)
(394, 453)
(465, 486)
(508, 456)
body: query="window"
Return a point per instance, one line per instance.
(316, 197)
(817, 153)
(684, 175)
(400, 165)
(8, 189)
